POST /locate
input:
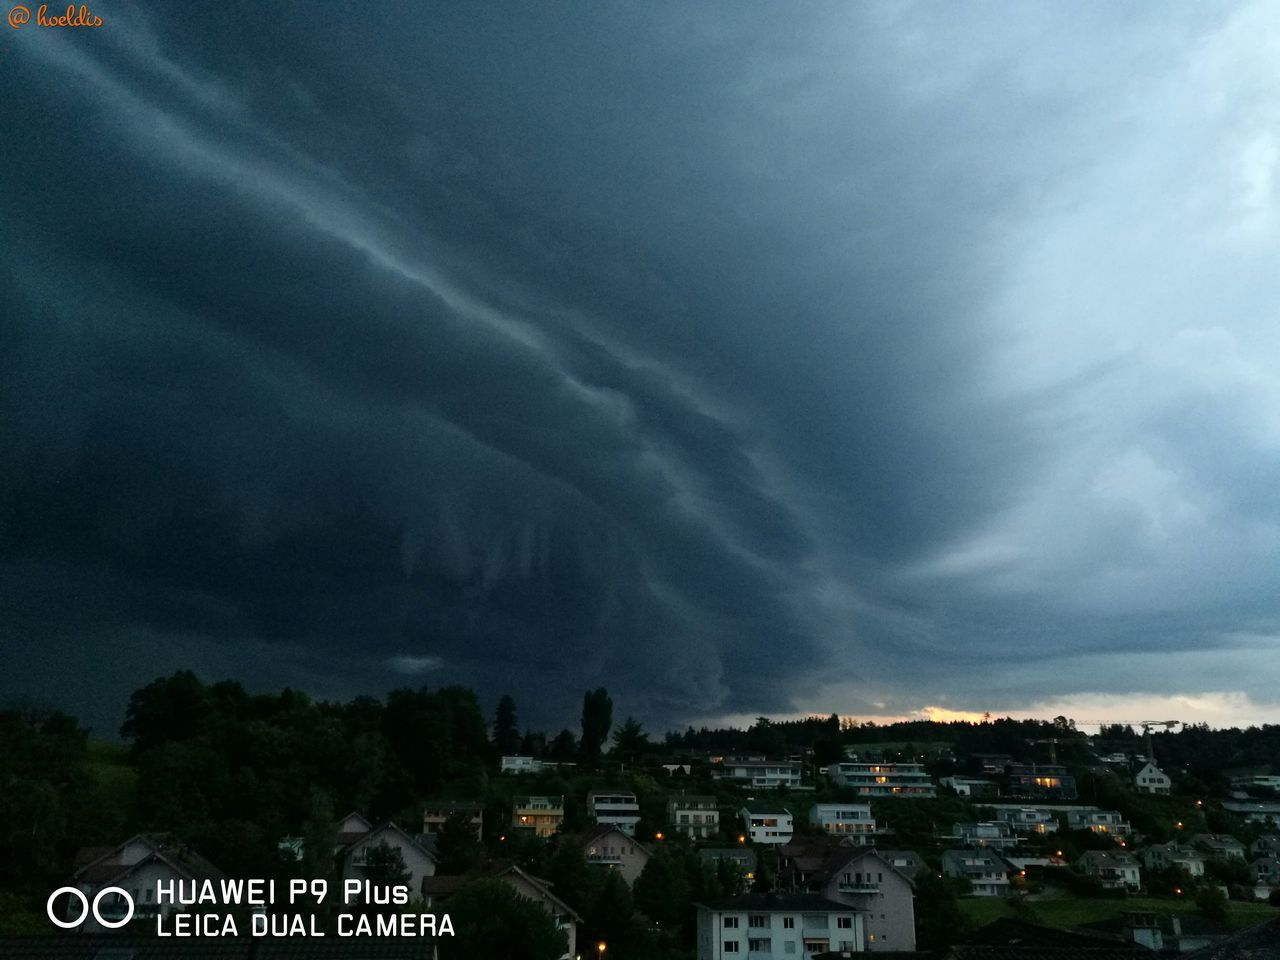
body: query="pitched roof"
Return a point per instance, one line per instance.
(163, 847)
(766, 810)
(778, 903)
(1257, 943)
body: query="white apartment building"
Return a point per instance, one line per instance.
(761, 774)
(882, 779)
(767, 824)
(1028, 820)
(767, 926)
(614, 808)
(1105, 822)
(845, 820)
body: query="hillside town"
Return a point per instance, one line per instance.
(816, 838)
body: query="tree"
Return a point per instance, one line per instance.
(939, 919)
(458, 850)
(491, 921)
(318, 837)
(506, 734)
(630, 740)
(564, 747)
(597, 718)
(384, 865)
(1211, 903)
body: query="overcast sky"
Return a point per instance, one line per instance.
(742, 358)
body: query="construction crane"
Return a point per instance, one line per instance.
(1147, 726)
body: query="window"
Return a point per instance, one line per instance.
(789, 923)
(789, 946)
(730, 923)
(758, 920)
(731, 946)
(764, 945)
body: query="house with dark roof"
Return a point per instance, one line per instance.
(1114, 869)
(1220, 845)
(1257, 943)
(774, 926)
(137, 866)
(867, 881)
(359, 844)
(767, 823)
(610, 848)
(985, 870)
(438, 889)
(742, 858)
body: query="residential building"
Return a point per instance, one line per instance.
(867, 880)
(1163, 856)
(741, 858)
(853, 820)
(437, 890)
(882, 779)
(519, 764)
(1028, 820)
(1265, 871)
(1151, 779)
(357, 852)
(616, 808)
(694, 815)
(906, 862)
(976, 787)
(136, 866)
(766, 823)
(1114, 869)
(767, 926)
(985, 870)
(1267, 845)
(1220, 845)
(1041, 781)
(1107, 822)
(436, 812)
(996, 834)
(542, 815)
(991, 762)
(1263, 812)
(614, 849)
(761, 774)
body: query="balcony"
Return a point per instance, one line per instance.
(858, 886)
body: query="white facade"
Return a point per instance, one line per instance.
(762, 774)
(1029, 820)
(614, 808)
(694, 815)
(986, 872)
(1106, 822)
(769, 825)
(996, 834)
(1115, 871)
(782, 927)
(1151, 779)
(883, 779)
(1162, 856)
(844, 820)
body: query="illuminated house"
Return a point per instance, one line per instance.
(609, 847)
(997, 834)
(853, 820)
(767, 824)
(1041, 781)
(882, 779)
(1106, 822)
(542, 815)
(1028, 820)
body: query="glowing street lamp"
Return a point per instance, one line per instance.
(600, 948)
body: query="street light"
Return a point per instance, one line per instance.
(600, 948)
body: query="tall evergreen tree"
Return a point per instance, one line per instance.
(597, 718)
(506, 732)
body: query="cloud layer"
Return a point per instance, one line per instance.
(858, 361)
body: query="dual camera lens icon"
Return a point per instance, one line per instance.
(77, 894)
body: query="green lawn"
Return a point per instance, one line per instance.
(1068, 912)
(108, 765)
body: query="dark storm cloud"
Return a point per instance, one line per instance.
(733, 363)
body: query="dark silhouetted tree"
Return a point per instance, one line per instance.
(506, 733)
(493, 922)
(597, 718)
